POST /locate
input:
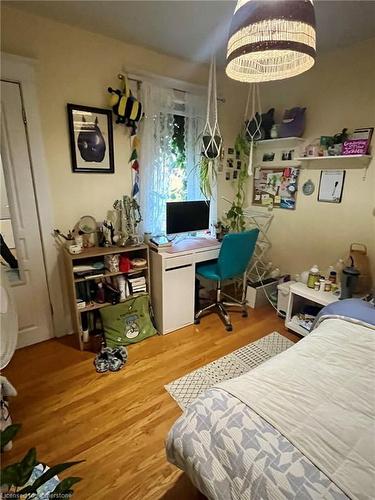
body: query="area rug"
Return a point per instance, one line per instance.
(187, 388)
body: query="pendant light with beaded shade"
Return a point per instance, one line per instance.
(271, 40)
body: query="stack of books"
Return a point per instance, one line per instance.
(137, 284)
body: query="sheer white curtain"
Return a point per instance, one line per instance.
(156, 151)
(195, 108)
(155, 155)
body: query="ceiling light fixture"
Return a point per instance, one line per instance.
(271, 40)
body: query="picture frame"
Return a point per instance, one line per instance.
(331, 186)
(91, 139)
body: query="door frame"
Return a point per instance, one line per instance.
(22, 70)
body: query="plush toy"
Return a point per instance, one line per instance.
(6, 390)
(293, 124)
(125, 106)
(267, 122)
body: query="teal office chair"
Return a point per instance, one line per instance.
(234, 257)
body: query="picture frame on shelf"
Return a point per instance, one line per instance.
(91, 139)
(331, 186)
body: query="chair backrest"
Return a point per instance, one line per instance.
(235, 253)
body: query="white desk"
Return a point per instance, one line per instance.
(173, 281)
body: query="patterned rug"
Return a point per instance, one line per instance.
(187, 388)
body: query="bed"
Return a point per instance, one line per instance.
(300, 426)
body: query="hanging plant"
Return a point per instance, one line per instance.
(211, 137)
(207, 176)
(245, 144)
(234, 218)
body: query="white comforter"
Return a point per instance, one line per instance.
(321, 396)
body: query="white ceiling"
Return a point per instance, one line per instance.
(193, 29)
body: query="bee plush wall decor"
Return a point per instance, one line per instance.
(125, 106)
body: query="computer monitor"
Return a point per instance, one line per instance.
(187, 216)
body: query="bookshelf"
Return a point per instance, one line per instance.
(89, 256)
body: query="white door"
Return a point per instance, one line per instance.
(29, 282)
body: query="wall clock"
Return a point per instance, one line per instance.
(308, 188)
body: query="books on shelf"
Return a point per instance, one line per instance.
(137, 284)
(86, 291)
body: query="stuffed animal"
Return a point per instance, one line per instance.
(293, 124)
(90, 141)
(125, 106)
(6, 390)
(267, 122)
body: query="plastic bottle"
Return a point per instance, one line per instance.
(313, 276)
(100, 298)
(121, 284)
(340, 264)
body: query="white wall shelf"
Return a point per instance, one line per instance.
(322, 162)
(280, 141)
(279, 164)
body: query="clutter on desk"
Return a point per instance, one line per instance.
(276, 187)
(221, 230)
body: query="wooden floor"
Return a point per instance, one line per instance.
(117, 422)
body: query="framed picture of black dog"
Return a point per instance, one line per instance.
(91, 139)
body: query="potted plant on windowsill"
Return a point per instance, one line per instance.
(31, 479)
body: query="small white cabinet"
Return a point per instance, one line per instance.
(173, 282)
(300, 294)
(178, 297)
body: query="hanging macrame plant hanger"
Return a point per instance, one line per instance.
(211, 136)
(253, 123)
(212, 139)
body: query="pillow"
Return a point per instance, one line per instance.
(127, 322)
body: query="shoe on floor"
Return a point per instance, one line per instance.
(117, 358)
(101, 362)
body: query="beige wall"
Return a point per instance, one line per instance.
(338, 93)
(77, 66)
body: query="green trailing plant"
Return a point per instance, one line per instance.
(15, 477)
(235, 216)
(207, 175)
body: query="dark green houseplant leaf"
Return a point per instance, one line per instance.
(46, 476)
(8, 434)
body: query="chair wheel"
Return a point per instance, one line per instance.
(229, 328)
(197, 321)
(245, 314)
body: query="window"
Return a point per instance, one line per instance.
(169, 152)
(177, 190)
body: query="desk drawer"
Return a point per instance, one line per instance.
(182, 260)
(206, 255)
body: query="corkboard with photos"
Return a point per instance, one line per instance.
(276, 186)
